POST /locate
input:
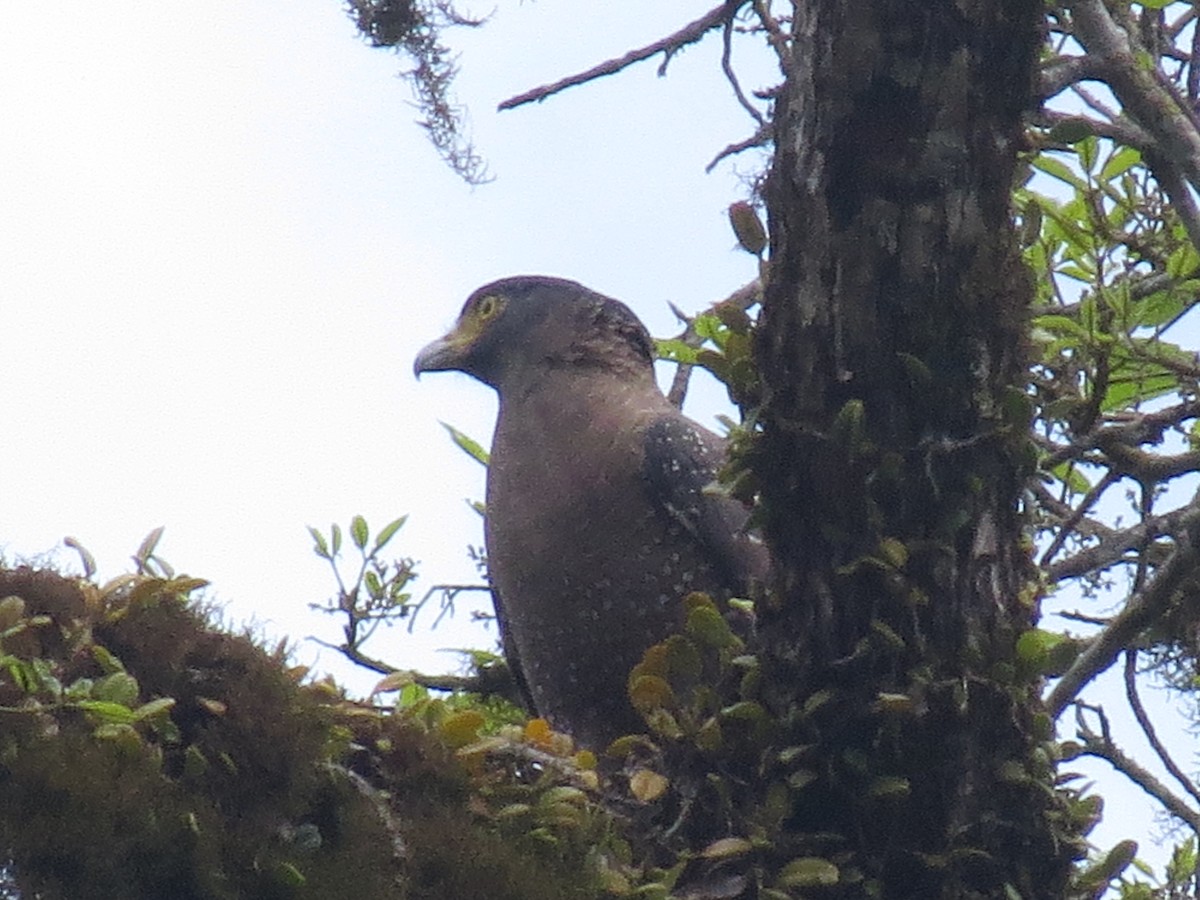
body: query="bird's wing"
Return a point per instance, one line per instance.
(680, 465)
(512, 659)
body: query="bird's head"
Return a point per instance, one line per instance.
(516, 329)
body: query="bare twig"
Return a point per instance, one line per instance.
(731, 76)
(1136, 86)
(352, 653)
(1121, 129)
(1085, 618)
(1131, 430)
(449, 594)
(668, 46)
(760, 138)
(683, 372)
(1146, 467)
(1094, 103)
(1085, 526)
(1064, 71)
(1102, 747)
(776, 36)
(491, 680)
(1139, 713)
(1070, 522)
(1144, 607)
(1182, 200)
(1193, 76)
(519, 753)
(1114, 545)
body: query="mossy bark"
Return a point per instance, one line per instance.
(894, 449)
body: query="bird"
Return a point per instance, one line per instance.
(600, 510)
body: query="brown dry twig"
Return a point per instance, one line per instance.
(760, 138)
(1114, 546)
(1143, 608)
(668, 46)
(1102, 747)
(1143, 720)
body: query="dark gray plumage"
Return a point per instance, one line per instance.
(597, 518)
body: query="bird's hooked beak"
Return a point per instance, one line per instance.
(444, 354)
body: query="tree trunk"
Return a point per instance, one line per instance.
(894, 448)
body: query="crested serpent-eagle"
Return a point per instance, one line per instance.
(600, 515)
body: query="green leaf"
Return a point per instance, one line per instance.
(320, 546)
(1120, 163)
(161, 706)
(1183, 261)
(889, 787)
(1056, 168)
(1110, 867)
(675, 350)
(359, 532)
(1064, 227)
(1088, 150)
(335, 532)
(1071, 131)
(709, 327)
(1125, 392)
(79, 689)
(106, 660)
(373, 584)
(1069, 474)
(1045, 652)
(108, 713)
(1061, 325)
(288, 876)
(119, 687)
(808, 871)
(708, 627)
(389, 532)
(467, 445)
(1160, 307)
(1080, 273)
(726, 848)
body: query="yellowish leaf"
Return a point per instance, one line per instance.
(646, 785)
(726, 848)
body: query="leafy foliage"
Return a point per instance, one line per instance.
(145, 752)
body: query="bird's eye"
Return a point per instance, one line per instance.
(487, 307)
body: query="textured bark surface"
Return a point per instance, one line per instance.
(892, 358)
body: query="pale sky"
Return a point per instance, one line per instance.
(224, 241)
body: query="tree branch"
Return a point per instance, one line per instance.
(1085, 526)
(1121, 129)
(1182, 200)
(1070, 523)
(668, 46)
(1141, 609)
(1137, 86)
(1114, 545)
(731, 76)
(1059, 74)
(1131, 430)
(1102, 747)
(758, 139)
(1143, 719)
